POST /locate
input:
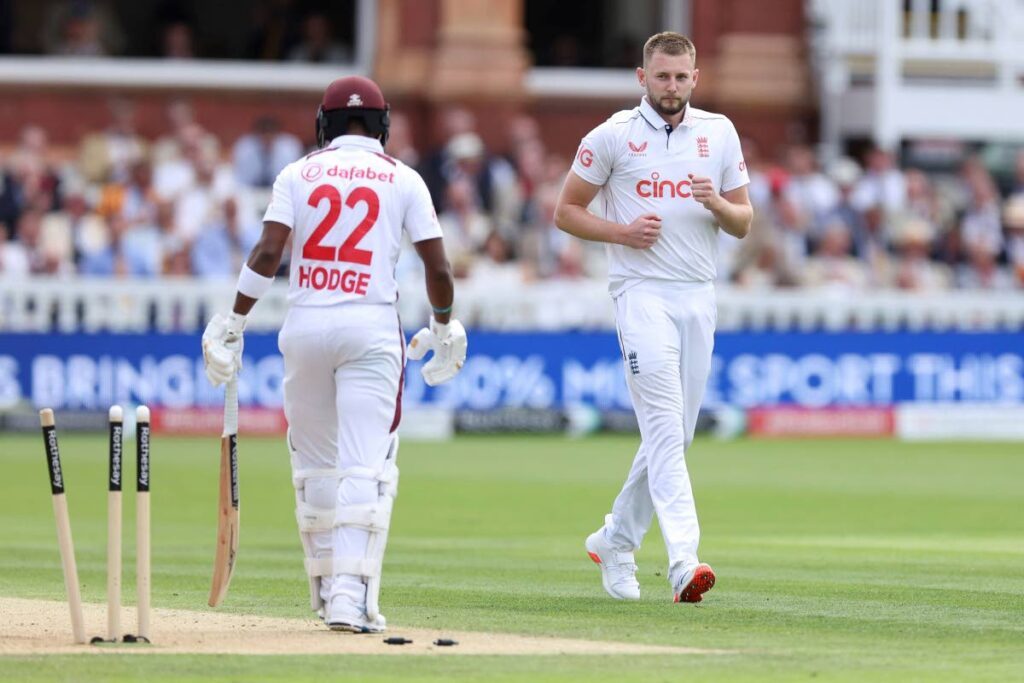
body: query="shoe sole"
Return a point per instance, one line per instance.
(346, 628)
(703, 580)
(604, 577)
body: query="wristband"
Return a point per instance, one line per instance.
(252, 284)
(447, 309)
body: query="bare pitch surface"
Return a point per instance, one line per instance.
(841, 560)
(35, 627)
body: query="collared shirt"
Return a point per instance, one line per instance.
(347, 205)
(644, 166)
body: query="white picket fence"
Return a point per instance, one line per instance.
(183, 305)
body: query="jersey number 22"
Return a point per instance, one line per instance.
(347, 252)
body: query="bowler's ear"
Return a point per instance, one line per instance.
(641, 76)
(696, 75)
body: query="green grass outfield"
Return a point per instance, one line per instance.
(837, 560)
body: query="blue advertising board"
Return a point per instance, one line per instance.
(540, 370)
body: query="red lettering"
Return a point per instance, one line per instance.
(333, 278)
(586, 157)
(303, 276)
(313, 249)
(319, 277)
(364, 282)
(348, 252)
(348, 279)
(657, 188)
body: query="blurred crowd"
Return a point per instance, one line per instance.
(272, 30)
(876, 224)
(187, 203)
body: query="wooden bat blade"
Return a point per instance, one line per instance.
(227, 520)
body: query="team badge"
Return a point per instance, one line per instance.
(354, 100)
(703, 150)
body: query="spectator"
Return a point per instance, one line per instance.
(759, 264)
(1013, 222)
(980, 228)
(175, 174)
(811, 193)
(82, 28)
(464, 225)
(105, 156)
(182, 118)
(913, 270)
(882, 187)
(260, 155)
(132, 210)
(981, 271)
(1019, 173)
(14, 257)
(493, 179)
(549, 252)
(219, 246)
(317, 43)
(453, 121)
(400, 144)
(275, 25)
(178, 40)
(41, 260)
(832, 264)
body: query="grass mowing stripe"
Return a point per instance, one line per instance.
(839, 559)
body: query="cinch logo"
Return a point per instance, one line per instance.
(637, 150)
(657, 188)
(586, 157)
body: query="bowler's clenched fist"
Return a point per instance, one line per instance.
(643, 232)
(703, 191)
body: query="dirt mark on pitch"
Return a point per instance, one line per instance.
(33, 627)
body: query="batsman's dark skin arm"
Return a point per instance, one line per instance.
(440, 286)
(266, 258)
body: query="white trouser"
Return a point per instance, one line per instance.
(666, 330)
(343, 371)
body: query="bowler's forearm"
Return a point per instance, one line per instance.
(579, 222)
(735, 219)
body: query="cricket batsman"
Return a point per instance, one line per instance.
(345, 208)
(667, 177)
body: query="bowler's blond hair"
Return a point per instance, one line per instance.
(671, 43)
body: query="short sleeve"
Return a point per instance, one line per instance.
(281, 209)
(593, 160)
(420, 219)
(734, 168)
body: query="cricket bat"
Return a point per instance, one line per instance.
(227, 507)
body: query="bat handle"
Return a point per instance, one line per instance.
(231, 407)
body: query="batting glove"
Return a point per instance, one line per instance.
(222, 348)
(448, 342)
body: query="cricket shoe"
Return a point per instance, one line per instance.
(344, 615)
(618, 569)
(690, 584)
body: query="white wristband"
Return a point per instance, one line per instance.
(252, 284)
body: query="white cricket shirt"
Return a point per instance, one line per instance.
(643, 166)
(347, 205)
